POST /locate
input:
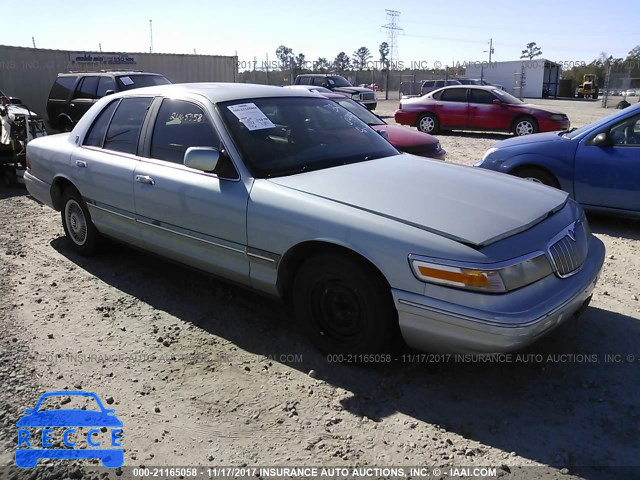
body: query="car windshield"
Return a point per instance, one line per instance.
(284, 136)
(359, 111)
(506, 97)
(127, 82)
(338, 81)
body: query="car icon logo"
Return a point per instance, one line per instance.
(31, 448)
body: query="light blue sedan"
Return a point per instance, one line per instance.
(290, 194)
(599, 165)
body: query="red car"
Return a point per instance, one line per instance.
(403, 139)
(474, 107)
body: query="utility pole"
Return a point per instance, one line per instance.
(490, 52)
(392, 27)
(33, 40)
(100, 47)
(150, 36)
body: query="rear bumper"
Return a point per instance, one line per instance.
(405, 118)
(437, 326)
(38, 189)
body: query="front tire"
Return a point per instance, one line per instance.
(428, 123)
(538, 176)
(76, 221)
(343, 305)
(524, 126)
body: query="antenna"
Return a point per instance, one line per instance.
(393, 28)
(150, 36)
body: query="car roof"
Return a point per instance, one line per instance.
(473, 87)
(311, 88)
(107, 73)
(218, 92)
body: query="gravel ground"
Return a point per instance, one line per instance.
(203, 373)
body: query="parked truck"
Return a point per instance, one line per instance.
(589, 87)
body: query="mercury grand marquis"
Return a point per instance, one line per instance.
(290, 194)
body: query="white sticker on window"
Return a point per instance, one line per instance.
(126, 81)
(251, 116)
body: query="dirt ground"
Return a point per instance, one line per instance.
(203, 373)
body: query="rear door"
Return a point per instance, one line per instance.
(103, 167)
(195, 217)
(84, 96)
(452, 107)
(610, 176)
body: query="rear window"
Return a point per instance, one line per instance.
(62, 87)
(129, 82)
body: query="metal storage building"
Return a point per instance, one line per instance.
(535, 78)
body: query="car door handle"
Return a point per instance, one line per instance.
(81, 163)
(72, 104)
(146, 179)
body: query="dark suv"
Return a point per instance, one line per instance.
(74, 93)
(338, 84)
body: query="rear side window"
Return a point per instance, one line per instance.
(428, 84)
(124, 130)
(62, 87)
(104, 84)
(454, 95)
(129, 82)
(87, 88)
(95, 137)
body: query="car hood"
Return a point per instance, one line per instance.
(539, 108)
(352, 89)
(402, 137)
(472, 206)
(69, 418)
(536, 138)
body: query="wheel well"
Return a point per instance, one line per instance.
(58, 187)
(522, 168)
(296, 256)
(524, 117)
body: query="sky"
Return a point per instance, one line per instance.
(447, 32)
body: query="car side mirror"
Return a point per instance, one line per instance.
(109, 92)
(325, 85)
(201, 158)
(384, 134)
(601, 140)
(496, 101)
(15, 100)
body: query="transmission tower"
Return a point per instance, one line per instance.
(393, 29)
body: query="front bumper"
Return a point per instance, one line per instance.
(437, 326)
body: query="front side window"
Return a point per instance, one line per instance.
(95, 137)
(290, 135)
(124, 129)
(481, 96)
(87, 88)
(626, 133)
(454, 95)
(180, 125)
(105, 84)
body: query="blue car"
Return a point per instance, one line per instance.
(599, 165)
(70, 419)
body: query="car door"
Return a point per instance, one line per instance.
(195, 217)
(452, 108)
(483, 113)
(104, 165)
(609, 176)
(83, 97)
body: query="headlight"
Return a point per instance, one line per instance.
(496, 278)
(556, 117)
(488, 152)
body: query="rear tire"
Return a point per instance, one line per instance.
(538, 176)
(428, 123)
(76, 221)
(344, 306)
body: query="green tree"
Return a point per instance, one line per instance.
(361, 57)
(300, 61)
(322, 65)
(531, 51)
(384, 54)
(342, 62)
(285, 55)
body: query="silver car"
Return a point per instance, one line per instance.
(288, 193)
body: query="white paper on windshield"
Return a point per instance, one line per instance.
(126, 81)
(251, 116)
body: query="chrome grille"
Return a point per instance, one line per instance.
(569, 249)
(367, 96)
